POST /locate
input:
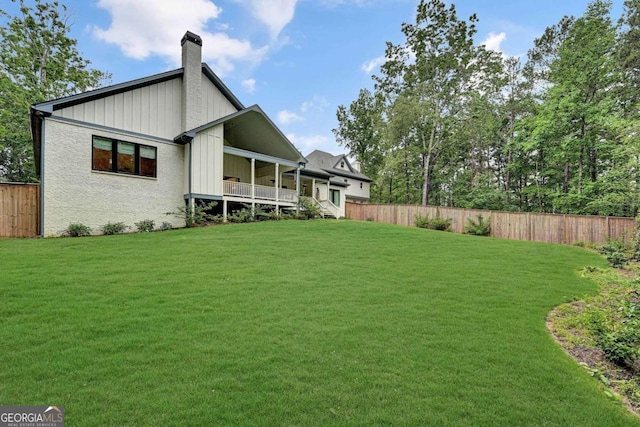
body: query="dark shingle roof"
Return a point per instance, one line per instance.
(321, 161)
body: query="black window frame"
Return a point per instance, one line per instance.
(114, 157)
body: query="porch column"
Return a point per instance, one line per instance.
(224, 210)
(298, 187)
(313, 188)
(328, 190)
(253, 178)
(277, 182)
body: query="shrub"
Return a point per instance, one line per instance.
(421, 221)
(145, 226)
(199, 215)
(617, 259)
(615, 250)
(307, 208)
(480, 228)
(369, 218)
(76, 230)
(113, 228)
(436, 223)
(166, 226)
(440, 224)
(615, 325)
(636, 241)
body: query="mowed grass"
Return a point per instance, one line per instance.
(295, 323)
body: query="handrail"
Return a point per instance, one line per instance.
(242, 189)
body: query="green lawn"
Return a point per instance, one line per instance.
(295, 323)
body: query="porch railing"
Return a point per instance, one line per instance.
(262, 192)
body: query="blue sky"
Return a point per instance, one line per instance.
(297, 59)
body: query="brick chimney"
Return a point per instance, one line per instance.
(191, 81)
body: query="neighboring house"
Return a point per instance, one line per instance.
(332, 181)
(137, 150)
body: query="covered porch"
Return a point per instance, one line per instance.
(256, 178)
(241, 159)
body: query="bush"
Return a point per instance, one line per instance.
(615, 325)
(145, 226)
(113, 228)
(198, 216)
(480, 228)
(307, 208)
(421, 221)
(436, 223)
(76, 230)
(166, 226)
(615, 251)
(636, 241)
(617, 259)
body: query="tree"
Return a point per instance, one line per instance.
(436, 70)
(38, 61)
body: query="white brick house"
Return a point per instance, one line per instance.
(139, 149)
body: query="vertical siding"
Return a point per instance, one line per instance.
(207, 162)
(214, 104)
(238, 167)
(150, 110)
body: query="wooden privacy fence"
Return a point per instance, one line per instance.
(550, 228)
(19, 210)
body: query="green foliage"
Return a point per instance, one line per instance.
(38, 62)
(166, 226)
(436, 223)
(145, 226)
(307, 208)
(76, 229)
(615, 250)
(614, 320)
(240, 216)
(482, 227)
(113, 228)
(198, 215)
(450, 123)
(636, 241)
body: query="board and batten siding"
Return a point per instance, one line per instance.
(207, 162)
(237, 167)
(73, 192)
(151, 110)
(214, 104)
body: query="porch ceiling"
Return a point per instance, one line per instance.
(251, 130)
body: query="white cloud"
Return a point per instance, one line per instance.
(317, 103)
(142, 28)
(249, 85)
(275, 14)
(306, 144)
(494, 40)
(287, 117)
(372, 64)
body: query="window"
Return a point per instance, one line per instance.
(342, 164)
(334, 195)
(110, 155)
(361, 186)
